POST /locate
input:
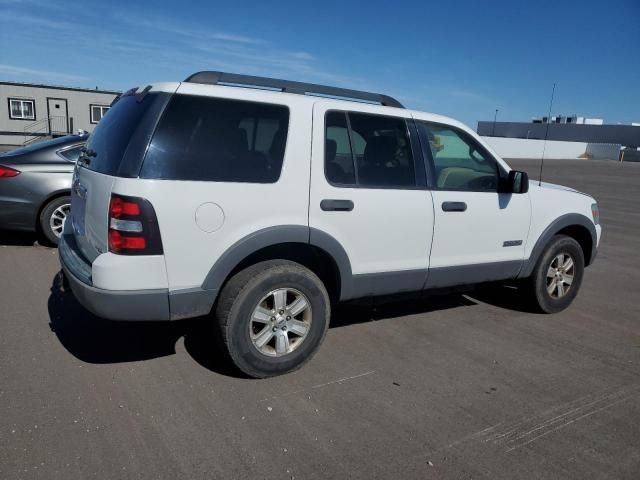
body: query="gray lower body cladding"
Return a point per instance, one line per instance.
(165, 305)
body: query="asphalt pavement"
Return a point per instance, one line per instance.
(458, 386)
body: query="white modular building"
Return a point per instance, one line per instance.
(33, 111)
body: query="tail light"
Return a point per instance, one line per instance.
(8, 172)
(133, 227)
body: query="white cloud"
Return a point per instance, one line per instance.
(236, 38)
(192, 44)
(186, 31)
(302, 56)
(15, 71)
(165, 45)
(13, 18)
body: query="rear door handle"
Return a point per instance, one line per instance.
(454, 206)
(332, 205)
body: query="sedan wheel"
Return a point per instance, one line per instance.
(57, 219)
(52, 218)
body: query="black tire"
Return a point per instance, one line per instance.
(539, 282)
(242, 294)
(45, 217)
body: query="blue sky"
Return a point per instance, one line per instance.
(459, 58)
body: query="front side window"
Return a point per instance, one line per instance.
(458, 161)
(22, 109)
(220, 140)
(367, 150)
(97, 112)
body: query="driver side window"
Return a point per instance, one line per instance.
(458, 161)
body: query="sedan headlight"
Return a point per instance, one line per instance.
(595, 212)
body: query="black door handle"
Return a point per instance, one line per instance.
(454, 206)
(332, 205)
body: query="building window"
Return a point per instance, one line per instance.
(22, 109)
(97, 112)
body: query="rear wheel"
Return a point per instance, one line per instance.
(557, 277)
(52, 217)
(272, 317)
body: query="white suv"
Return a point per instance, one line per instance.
(263, 202)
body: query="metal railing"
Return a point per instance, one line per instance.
(46, 127)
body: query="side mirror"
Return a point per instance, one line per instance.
(517, 182)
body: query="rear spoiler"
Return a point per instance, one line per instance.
(132, 91)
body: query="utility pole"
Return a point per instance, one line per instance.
(495, 116)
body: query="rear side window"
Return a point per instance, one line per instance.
(71, 154)
(221, 140)
(34, 147)
(371, 151)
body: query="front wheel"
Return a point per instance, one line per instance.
(557, 277)
(52, 218)
(272, 317)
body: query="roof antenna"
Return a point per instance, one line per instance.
(546, 133)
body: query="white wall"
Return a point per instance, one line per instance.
(527, 148)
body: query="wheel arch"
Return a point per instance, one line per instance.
(314, 249)
(574, 225)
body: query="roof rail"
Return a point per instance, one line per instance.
(300, 88)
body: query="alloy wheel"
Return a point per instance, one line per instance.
(280, 322)
(560, 275)
(57, 219)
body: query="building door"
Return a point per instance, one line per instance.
(58, 115)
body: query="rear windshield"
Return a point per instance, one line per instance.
(214, 139)
(118, 130)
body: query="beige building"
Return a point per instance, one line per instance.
(32, 111)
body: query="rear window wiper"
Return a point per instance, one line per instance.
(88, 152)
(85, 156)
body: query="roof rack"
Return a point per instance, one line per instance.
(300, 88)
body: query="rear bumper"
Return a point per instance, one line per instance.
(155, 304)
(110, 304)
